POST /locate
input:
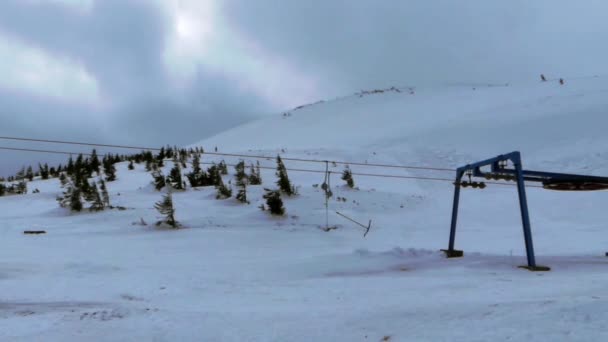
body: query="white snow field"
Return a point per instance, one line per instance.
(234, 273)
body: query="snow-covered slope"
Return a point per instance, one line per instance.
(548, 122)
(234, 273)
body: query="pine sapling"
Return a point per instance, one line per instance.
(97, 202)
(22, 188)
(44, 171)
(75, 200)
(241, 196)
(109, 170)
(175, 177)
(196, 163)
(255, 177)
(347, 176)
(29, 174)
(94, 163)
(20, 175)
(223, 191)
(240, 175)
(274, 202)
(159, 180)
(63, 179)
(90, 192)
(223, 168)
(215, 177)
(165, 207)
(183, 158)
(283, 182)
(70, 167)
(105, 196)
(198, 177)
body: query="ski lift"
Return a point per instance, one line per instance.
(471, 183)
(500, 169)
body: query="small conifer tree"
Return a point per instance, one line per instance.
(63, 179)
(240, 175)
(70, 167)
(215, 177)
(159, 179)
(223, 168)
(347, 176)
(20, 175)
(175, 177)
(29, 174)
(166, 208)
(105, 196)
(183, 158)
(109, 170)
(274, 202)
(196, 163)
(75, 200)
(198, 177)
(223, 191)
(148, 156)
(97, 203)
(94, 163)
(241, 196)
(79, 164)
(2, 189)
(64, 201)
(255, 177)
(283, 182)
(44, 171)
(89, 192)
(22, 188)
(83, 184)
(161, 154)
(131, 166)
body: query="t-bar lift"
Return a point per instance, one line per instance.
(509, 167)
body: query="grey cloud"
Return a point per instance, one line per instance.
(24, 115)
(212, 104)
(346, 45)
(118, 41)
(121, 44)
(362, 44)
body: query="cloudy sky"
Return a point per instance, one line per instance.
(156, 72)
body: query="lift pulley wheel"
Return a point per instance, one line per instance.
(574, 186)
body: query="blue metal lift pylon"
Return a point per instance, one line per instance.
(499, 169)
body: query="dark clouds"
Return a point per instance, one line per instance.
(117, 41)
(343, 45)
(121, 44)
(359, 44)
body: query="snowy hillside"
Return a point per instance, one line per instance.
(549, 123)
(236, 273)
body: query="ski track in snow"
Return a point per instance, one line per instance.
(233, 273)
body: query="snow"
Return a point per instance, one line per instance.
(233, 273)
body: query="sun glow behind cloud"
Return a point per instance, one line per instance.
(200, 39)
(190, 36)
(28, 69)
